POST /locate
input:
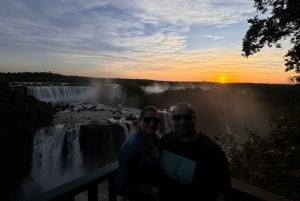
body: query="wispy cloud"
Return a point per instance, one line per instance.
(124, 38)
(213, 37)
(113, 25)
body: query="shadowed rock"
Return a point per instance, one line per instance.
(100, 143)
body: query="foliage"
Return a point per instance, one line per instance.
(43, 77)
(20, 117)
(283, 22)
(71, 79)
(271, 163)
(17, 108)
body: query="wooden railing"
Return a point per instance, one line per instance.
(89, 183)
(245, 192)
(67, 192)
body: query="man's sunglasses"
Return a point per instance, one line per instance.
(147, 120)
(185, 117)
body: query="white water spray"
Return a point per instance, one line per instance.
(56, 156)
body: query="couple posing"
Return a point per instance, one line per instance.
(182, 165)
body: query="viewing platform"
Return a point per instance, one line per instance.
(68, 191)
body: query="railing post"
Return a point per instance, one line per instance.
(112, 191)
(93, 193)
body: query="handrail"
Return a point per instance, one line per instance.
(68, 191)
(241, 189)
(89, 182)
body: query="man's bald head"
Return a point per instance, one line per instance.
(186, 107)
(184, 120)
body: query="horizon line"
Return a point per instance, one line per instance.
(154, 80)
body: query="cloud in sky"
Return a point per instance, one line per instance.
(119, 38)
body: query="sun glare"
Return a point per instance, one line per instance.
(222, 79)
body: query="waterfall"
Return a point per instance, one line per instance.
(114, 91)
(63, 93)
(128, 127)
(228, 129)
(77, 93)
(56, 156)
(166, 123)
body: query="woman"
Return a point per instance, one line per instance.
(139, 168)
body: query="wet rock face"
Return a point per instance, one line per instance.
(100, 143)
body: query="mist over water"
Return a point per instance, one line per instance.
(56, 158)
(57, 155)
(220, 109)
(163, 87)
(234, 112)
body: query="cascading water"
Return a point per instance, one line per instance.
(166, 124)
(56, 159)
(56, 155)
(63, 152)
(64, 93)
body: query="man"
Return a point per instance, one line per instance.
(194, 166)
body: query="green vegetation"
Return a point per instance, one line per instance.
(271, 163)
(21, 116)
(58, 78)
(19, 110)
(278, 19)
(43, 77)
(281, 96)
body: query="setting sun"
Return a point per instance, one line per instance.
(222, 79)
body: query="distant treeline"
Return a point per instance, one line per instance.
(280, 95)
(54, 77)
(43, 77)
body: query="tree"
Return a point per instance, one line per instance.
(271, 163)
(21, 116)
(279, 19)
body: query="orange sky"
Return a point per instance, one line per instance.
(215, 65)
(159, 40)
